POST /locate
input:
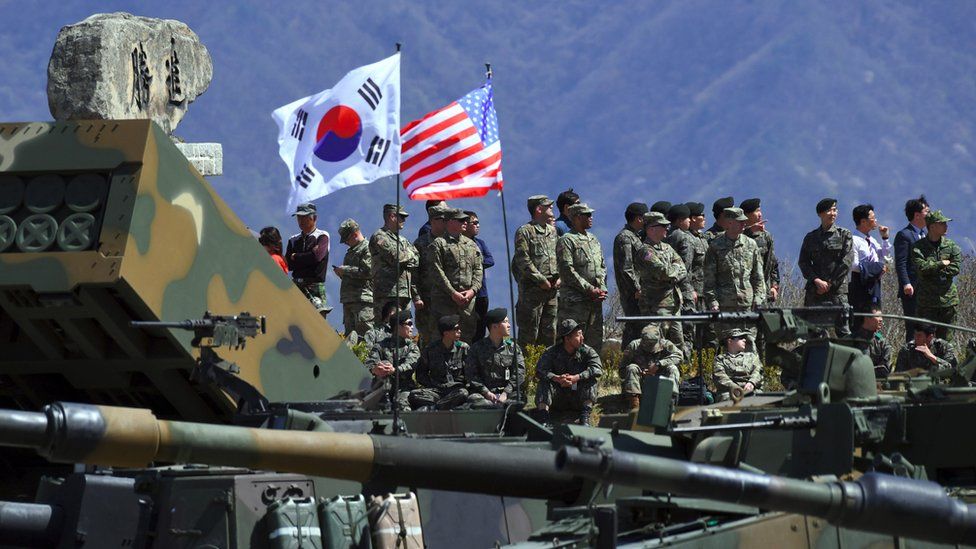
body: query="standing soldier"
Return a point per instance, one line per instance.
(568, 373)
(356, 288)
(717, 208)
(440, 371)
(626, 248)
(584, 275)
(651, 355)
(488, 371)
(307, 256)
(733, 268)
(534, 268)
(696, 224)
(662, 273)
(937, 259)
(685, 245)
(825, 261)
(472, 230)
(427, 326)
(455, 273)
(383, 250)
(756, 230)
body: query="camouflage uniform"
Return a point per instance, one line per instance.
(734, 276)
(455, 266)
(764, 241)
(909, 358)
(386, 287)
(691, 248)
(713, 231)
(626, 249)
(874, 345)
(555, 361)
(936, 292)
(377, 332)
(489, 369)
(426, 325)
(732, 371)
(534, 263)
(662, 273)
(409, 355)
(644, 353)
(440, 375)
(826, 254)
(581, 268)
(356, 289)
(697, 275)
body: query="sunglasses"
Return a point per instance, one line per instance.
(474, 223)
(407, 323)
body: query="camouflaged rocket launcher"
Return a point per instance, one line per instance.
(105, 222)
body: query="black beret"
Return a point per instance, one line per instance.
(749, 205)
(447, 323)
(495, 316)
(635, 209)
(661, 206)
(399, 318)
(719, 205)
(826, 204)
(695, 208)
(678, 211)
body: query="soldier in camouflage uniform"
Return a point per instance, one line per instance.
(717, 208)
(440, 372)
(756, 230)
(383, 250)
(825, 261)
(626, 247)
(734, 270)
(926, 352)
(534, 268)
(650, 355)
(662, 274)
(737, 371)
(491, 380)
(937, 259)
(869, 339)
(456, 272)
(686, 245)
(584, 275)
(568, 373)
(380, 329)
(396, 353)
(427, 326)
(356, 288)
(696, 224)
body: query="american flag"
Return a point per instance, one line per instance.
(453, 152)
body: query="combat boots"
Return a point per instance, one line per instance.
(584, 418)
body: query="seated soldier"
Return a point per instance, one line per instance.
(440, 372)
(651, 355)
(737, 372)
(491, 380)
(926, 352)
(381, 359)
(869, 339)
(568, 373)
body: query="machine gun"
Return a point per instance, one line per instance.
(212, 332)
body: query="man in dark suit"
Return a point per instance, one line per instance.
(915, 210)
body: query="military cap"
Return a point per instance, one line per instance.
(400, 318)
(661, 206)
(651, 334)
(538, 200)
(719, 205)
(580, 209)
(448, 323)
(736, 332)
(347, 228)
(695, 208)
(568, 326)
(734, 214)
(826, 204)
(635, 209)
(305, 209)
(652, 219)
(387, 208)
(679, 211)
(457, 214)
(750, 205)
(495, 316)
(439, 211)
(936, 217)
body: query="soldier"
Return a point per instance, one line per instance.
(534, 268)
(584, 275)
(937, 259)
(825, 261)
(737, 371)
(428, 206)
(383, 247)
(356, 288)
(662, 274)
(696, 224)
(626, 247)
(381, 325)
(756, 230)
(455, 274)
(685, 245)
(396, 353)
(734, 269)
(871, 341)
(427, 326)
(568, 373)
(489, 369)
(661, 207)
(926, 352)
(440, 372)
(651, 355)
(307, 255)
(472, 230)
(717, 208)
(565, 200)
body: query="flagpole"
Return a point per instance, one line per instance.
(394, 402)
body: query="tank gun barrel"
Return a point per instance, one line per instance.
(875, 502)
(132, 437)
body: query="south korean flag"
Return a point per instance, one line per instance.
(344, 136)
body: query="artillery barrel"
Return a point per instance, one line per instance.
(132, 437)
(29, 524)
(875, 502)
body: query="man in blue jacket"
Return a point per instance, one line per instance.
(915, 210)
